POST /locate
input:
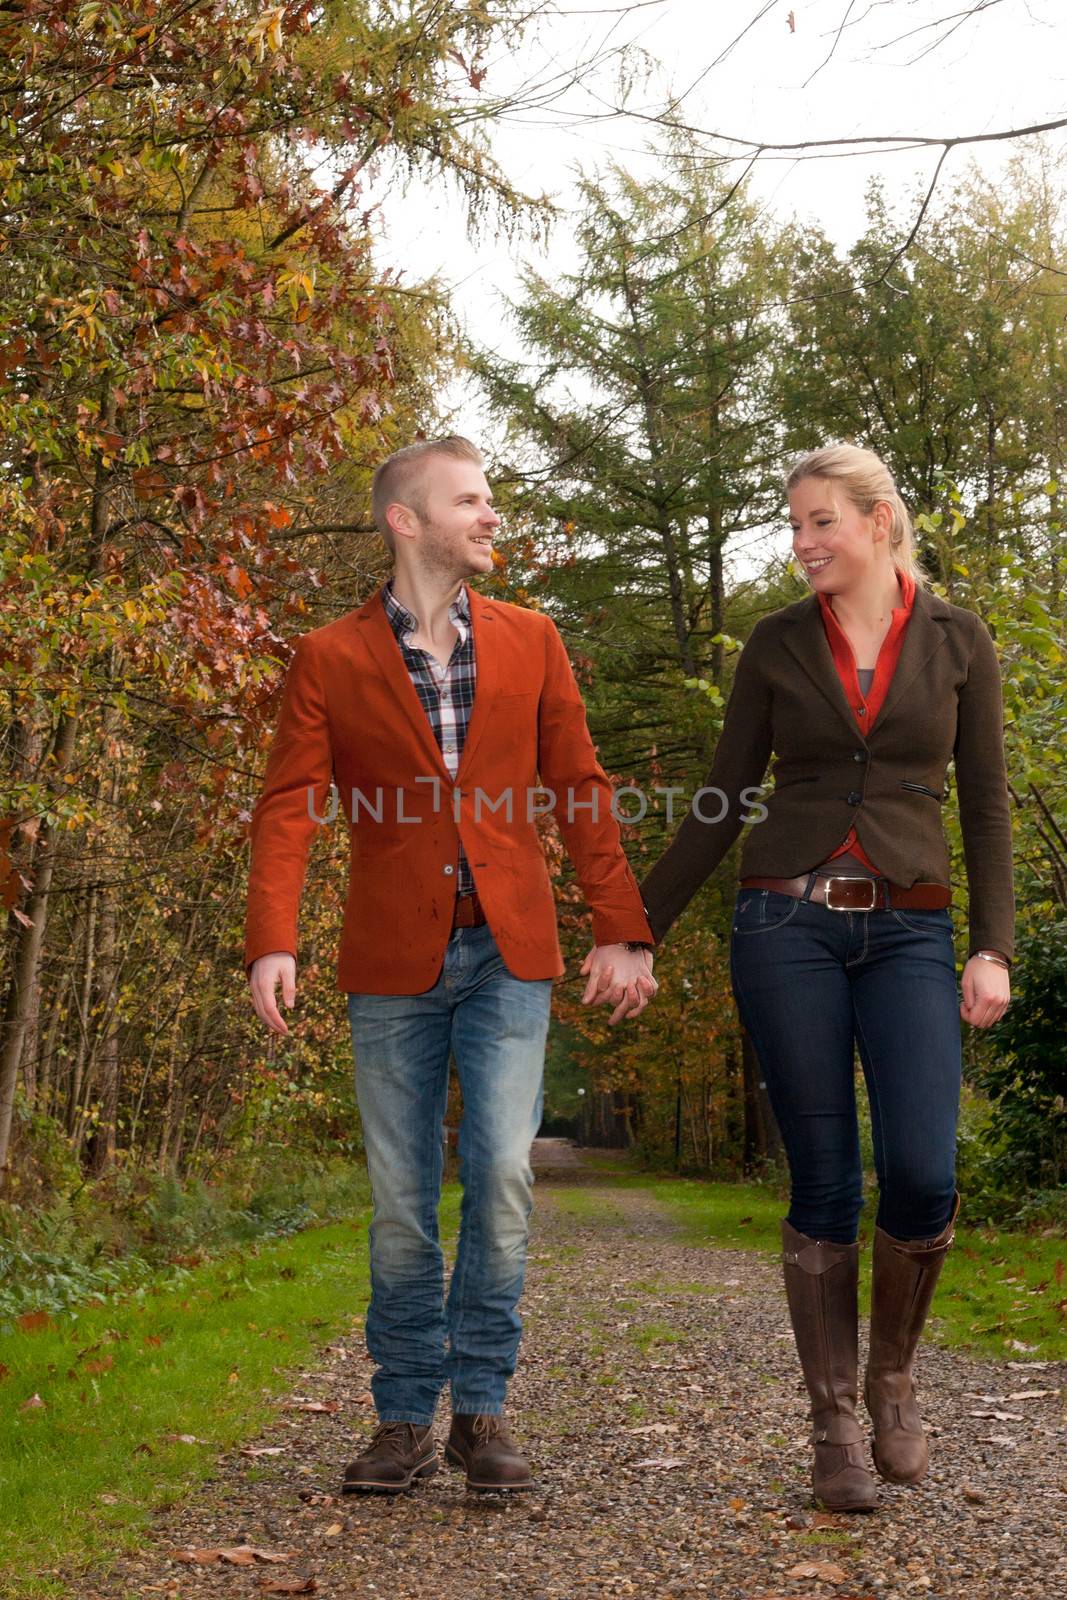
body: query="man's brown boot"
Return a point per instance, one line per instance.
(821, 1284)
(398, 1454)
(904, 1276)
(488, 1453)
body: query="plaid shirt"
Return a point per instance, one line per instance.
(446, 693)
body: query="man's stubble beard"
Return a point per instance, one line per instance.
(438, 562)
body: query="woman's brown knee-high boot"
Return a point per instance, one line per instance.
(904, 1275)
(820, 1285)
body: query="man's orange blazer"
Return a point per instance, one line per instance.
(350, 714)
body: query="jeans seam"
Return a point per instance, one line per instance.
(874, 1098)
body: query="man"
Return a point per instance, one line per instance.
(435, 711)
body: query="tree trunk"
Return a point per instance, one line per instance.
(84, 1007)
(762, 1140)
(22, 995)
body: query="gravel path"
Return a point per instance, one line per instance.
(659, 1399)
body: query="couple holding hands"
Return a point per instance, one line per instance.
(454, 721)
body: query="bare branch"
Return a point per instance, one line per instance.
(837, 40)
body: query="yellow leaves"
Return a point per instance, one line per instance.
(82, 319)
(266, 32)
(291, 283)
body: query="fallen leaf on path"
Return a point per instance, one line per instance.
(655, 1427)
(333, 1530)
(1028, 1366)
(240, 1555)
(824, 1571)
(1032, 1394)
(666, 1462)
(313, 1405)
(315, 1497)
(999, 1438)
(182, 1438)
(288, 1585)
(264, 1450)
(998, 1416)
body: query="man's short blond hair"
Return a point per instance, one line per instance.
(402, 477)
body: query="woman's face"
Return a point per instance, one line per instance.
(835, 542)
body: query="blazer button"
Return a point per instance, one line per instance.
(859, 755)
(855, 798)
(449, 869)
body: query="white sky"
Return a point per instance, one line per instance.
(1003, 68)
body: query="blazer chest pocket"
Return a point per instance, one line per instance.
(921, 788)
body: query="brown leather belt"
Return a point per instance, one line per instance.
(856, 894)
(468, 912)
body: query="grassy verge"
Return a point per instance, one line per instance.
(1001, 1293)
(205, 1354)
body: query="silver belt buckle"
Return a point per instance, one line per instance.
(871, 884)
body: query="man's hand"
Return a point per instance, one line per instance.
(986, 993)
(619, 977)
(264, 977)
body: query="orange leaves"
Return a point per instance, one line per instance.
(34, 1321)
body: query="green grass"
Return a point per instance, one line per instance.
(207, 1355)
(653, 1334)
(1001, 1294)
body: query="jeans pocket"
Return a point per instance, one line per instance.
(939, 921)
(763, 910)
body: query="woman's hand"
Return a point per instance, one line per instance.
(986, 992)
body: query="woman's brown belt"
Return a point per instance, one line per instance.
(856, 894)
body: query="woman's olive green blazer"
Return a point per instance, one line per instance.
(944, 704)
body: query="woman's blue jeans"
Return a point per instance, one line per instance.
(812, 985)
(495, 1027)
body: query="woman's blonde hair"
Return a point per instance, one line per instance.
(866, 480)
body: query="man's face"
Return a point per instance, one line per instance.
(454, 539)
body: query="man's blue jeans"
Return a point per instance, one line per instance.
(495, 1026)
(813, 984)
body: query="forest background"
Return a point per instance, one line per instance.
(202, 358)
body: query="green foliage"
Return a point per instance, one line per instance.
(1026, 1075)
(115, 1235)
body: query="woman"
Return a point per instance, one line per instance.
(842, 936)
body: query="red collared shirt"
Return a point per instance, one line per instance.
(865, 710)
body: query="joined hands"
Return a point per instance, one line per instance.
(619, 978)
